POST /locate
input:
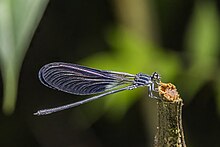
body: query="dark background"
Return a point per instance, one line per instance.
(73, 30)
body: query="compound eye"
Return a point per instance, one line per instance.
(156, 76)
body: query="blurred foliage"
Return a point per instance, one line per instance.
(132, 54)
(202, 48)
(135, 48)
(18, 21)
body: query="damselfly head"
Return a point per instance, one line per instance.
(155, 77)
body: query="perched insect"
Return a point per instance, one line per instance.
(81, 80)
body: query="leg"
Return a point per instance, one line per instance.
(152, 89)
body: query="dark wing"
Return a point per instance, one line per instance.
(81, 80)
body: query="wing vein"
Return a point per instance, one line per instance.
(81, 80)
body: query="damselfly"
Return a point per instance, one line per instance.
(81, 80)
